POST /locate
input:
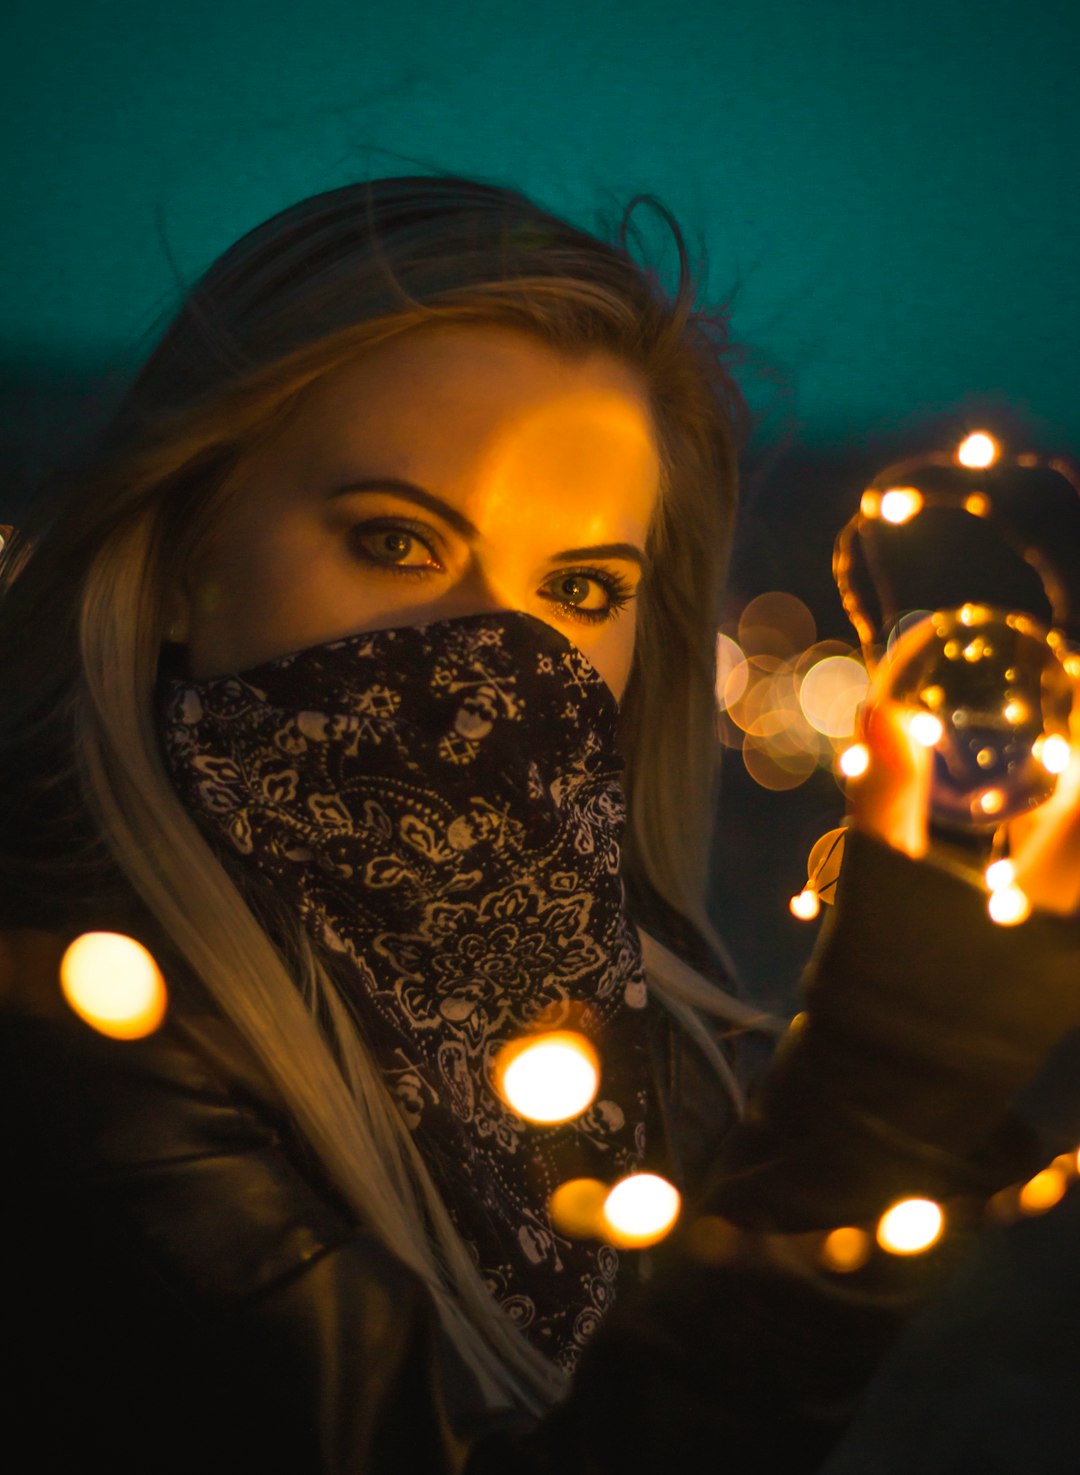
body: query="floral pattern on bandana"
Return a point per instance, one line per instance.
(442, 805)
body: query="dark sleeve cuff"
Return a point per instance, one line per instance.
(923, 1019)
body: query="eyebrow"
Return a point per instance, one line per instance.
(461, 524)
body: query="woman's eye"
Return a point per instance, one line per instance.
(577, 594)
(390, 545)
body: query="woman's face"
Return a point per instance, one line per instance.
(523, 482)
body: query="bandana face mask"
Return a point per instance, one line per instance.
(441, 804)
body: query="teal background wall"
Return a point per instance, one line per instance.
(888, 189)
(891, 186)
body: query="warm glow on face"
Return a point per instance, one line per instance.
(805, 906)
(854, 761)
(549, 1077)
(846, 1249)
(977, 450)
(900, 504)
(911, 1226)
(1008, 905)
(640, 1210)
(926, 728)
(577, 1208)
(113, 983)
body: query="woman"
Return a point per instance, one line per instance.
(365, 674)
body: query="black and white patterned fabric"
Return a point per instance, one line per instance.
(442, 805)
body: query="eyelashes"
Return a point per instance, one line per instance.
(618, 590)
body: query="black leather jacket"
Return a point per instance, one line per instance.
(185, 1292)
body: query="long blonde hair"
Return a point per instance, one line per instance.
(86, 807)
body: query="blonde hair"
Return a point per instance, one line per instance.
(88, 811)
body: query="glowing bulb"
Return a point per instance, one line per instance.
(910, 1226)
(1043, 1191)
(991, 801)
(1008, 905)
(999, 687)
(1000, 873)
(112, 982)
(846, 1249)
(978, 504)
(977, 450)
(805, 906)
(926, 729)
(900, 504)
(640, 1210)
(870, 503)
(1054, 753)
(577, 1207)
(548, 1077)
(854, 761)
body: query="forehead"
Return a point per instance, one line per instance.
(481, 413)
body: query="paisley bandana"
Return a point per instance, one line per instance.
(442, 805)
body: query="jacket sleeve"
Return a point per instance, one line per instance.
(194, 1300)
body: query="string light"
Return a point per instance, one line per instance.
(926, 728)
(910, 1226)
(901, 504)
(846, 1249)
(1053, 752)
(577, 1207)
(550, 1077)
(1000, 873)
(1043, 1191)
(977, 450)
(855, 760)
(805, 905)
(113, 983)
(1008, 906)
(640, 1210)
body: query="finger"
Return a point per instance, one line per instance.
(1044, 844)
(890, 800)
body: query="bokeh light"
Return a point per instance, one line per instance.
(977, 450)
(776, 624)
(1043, 1191)
(1054, 753)
(805, 905)
(577, 1208)
(640, 1210)
(910, 1226)
(1008, 906)
(830, 695)
(846, 1249)
(1000, 873)
(901, 504)
(854, 761)
(550, 1077)
(113, 983)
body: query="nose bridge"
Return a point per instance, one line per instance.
(484, 590)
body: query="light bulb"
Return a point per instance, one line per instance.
(910, 1226)
(112, 982)
(854, 761)
(805, 906)
(640, 1210)
(1008, 906)
(549, 1077)
(999, 686)
(977, 450)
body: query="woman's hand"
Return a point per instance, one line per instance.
(891, 801)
